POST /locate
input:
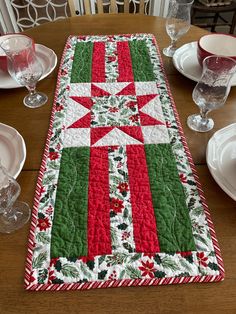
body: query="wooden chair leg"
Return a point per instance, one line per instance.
(193, 16)
(213, 28)
(233, 23)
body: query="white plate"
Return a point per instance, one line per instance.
(185, 61)
(221, 158)
(12, 150)
(46, 56)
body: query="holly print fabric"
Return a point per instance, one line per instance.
(118, 201)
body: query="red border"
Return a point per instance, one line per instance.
(125, 282)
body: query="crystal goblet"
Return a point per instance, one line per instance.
(177, 23)
(24, 67)
(211, 91)
(13, 214)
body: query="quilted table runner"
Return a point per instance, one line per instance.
(118, 202)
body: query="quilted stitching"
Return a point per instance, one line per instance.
(134, 207)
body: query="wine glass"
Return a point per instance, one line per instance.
(211, 91)
(13, 214)
(177, 22)
(24, 67)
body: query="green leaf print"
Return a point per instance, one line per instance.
(133, 272)
(43, 237)
(69, 271)
(159, 274)
(122, 226)
(85, 271)
(122, 274)
(42, 275)
(213, 266)
(201, 239)
(198, 211)
(185, 265)
(39, 260)
(58, 265)
(102, 274)
(101, 259)
(48, 179)
(136, 257)
(169, 263)
(114, 237)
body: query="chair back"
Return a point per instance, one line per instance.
(113, 6)
(27, 14)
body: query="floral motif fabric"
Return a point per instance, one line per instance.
(118, 200)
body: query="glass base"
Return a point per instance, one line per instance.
(20, 215)
(196, 123)
(36, 100)
(169, 51)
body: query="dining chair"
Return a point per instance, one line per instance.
(113, 6)
(25, 14)
(214, 14)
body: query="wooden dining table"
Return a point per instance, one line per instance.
(33, 126)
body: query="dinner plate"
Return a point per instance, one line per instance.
(12, 150)
(221, 159)
(46, 56)
(186, 62)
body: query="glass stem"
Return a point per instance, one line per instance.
(173, 44)
(31, 89)
(203, 113)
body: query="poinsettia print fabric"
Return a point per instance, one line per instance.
(118, 201)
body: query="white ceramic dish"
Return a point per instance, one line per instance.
(12, 150)
(221, 159)
(46, 56)
(186, 62)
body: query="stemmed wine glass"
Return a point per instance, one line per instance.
(177, 22)
(211, 91)
(13, 214)
(24, 67)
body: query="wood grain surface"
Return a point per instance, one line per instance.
(33, 125)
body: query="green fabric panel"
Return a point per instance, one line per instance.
(69, 231)
(82, 63)
(169, 201)
(141, 62)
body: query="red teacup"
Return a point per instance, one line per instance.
(216, 44)
(3, 57)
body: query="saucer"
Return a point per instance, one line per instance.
(221, 159)
(12, 148)
(46, 56)
(186, 62)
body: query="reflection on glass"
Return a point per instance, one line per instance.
(211, 91)
(24, 67)
(177, 23)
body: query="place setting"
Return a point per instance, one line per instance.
(45, 55)
(213, 66)
(22, 63)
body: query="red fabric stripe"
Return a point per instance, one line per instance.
(124, 62)
(98, 65)
(144, 221)
(99, 240)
